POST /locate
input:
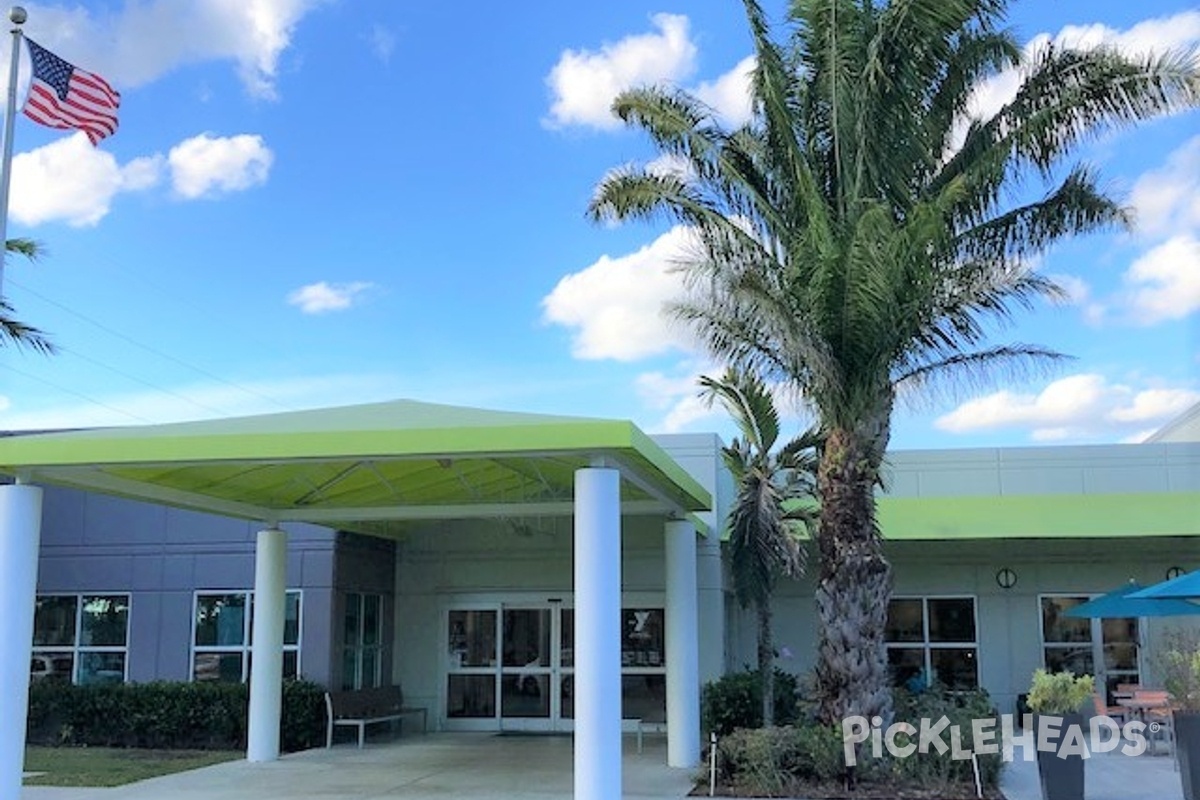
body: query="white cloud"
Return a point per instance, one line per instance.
(1079, 293)
(584, 83)
(676, 397)
(729, 95)
(1074, 407)
(205, 166)
(1164, 283)
(382, 42)
(322, 297)
(1167, 200)
(145, 40)
(71, 181)
(671, 165)
(615, 306)
(1151, 405)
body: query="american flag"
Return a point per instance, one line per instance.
(64, 96)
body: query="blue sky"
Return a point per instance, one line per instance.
(314, 203)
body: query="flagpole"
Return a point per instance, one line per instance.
(17, 16)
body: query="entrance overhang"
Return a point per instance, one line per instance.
(367, 468)
(373, 469)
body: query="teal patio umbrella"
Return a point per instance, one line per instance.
(1127, 601)
(1185, 587)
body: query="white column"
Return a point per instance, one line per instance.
(683, 648)
(597, 634)
(20, 532)
(266, 664)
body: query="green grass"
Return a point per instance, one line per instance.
(106, 766)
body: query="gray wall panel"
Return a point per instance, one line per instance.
(224, 570)
(114, 521)
(99, 573)
(147, 573)
(179, 571)
(173, 641)
(145, 620)
(63, 516)
(315, 644)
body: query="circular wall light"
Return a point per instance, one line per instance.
(1006, 578)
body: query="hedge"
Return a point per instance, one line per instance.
(166, 715)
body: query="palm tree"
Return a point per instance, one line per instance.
(859, 239)
(765, 518)
(12, 330)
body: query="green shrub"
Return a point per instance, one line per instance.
(784, 761)
(769, 762)
(1059, 692)
(735, 701)
(201, 716)
(960, 708)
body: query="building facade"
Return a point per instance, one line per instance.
(475, 618)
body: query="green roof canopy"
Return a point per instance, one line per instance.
(367, 468)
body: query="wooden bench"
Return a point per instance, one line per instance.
(363, 707)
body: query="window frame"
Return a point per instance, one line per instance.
(246, 647)
(1095, 643)
(358, 649)
(76, 649)
(927, 646)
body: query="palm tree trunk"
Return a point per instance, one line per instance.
(766, 663)
(854, 583)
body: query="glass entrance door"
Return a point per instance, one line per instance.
(527, 668)
(511, 666)
(1106, 648)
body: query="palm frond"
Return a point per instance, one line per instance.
(748, 402)
(17, 333)
(29, 248)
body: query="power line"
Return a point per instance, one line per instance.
(167, 356)
(136, 379)
(80, 395)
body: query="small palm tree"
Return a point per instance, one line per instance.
(12, 330)
(769, 510)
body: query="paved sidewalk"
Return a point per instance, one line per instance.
(466, 766)
(1107, 776)
(490, 767)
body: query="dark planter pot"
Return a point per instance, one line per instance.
(1187, 748)
(1060, 778)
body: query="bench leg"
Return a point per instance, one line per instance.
(362, 734)
(329, 735)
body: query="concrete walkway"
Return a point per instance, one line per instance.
(444, 765)
(491, 767)
(1107, 776)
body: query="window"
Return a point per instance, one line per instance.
(1105, 648)
(222, 639)
(362, 641)
(643, 664)
(81, 638)
(933, 639)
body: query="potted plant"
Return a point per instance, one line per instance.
(1059, 694)
(1178, 664)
